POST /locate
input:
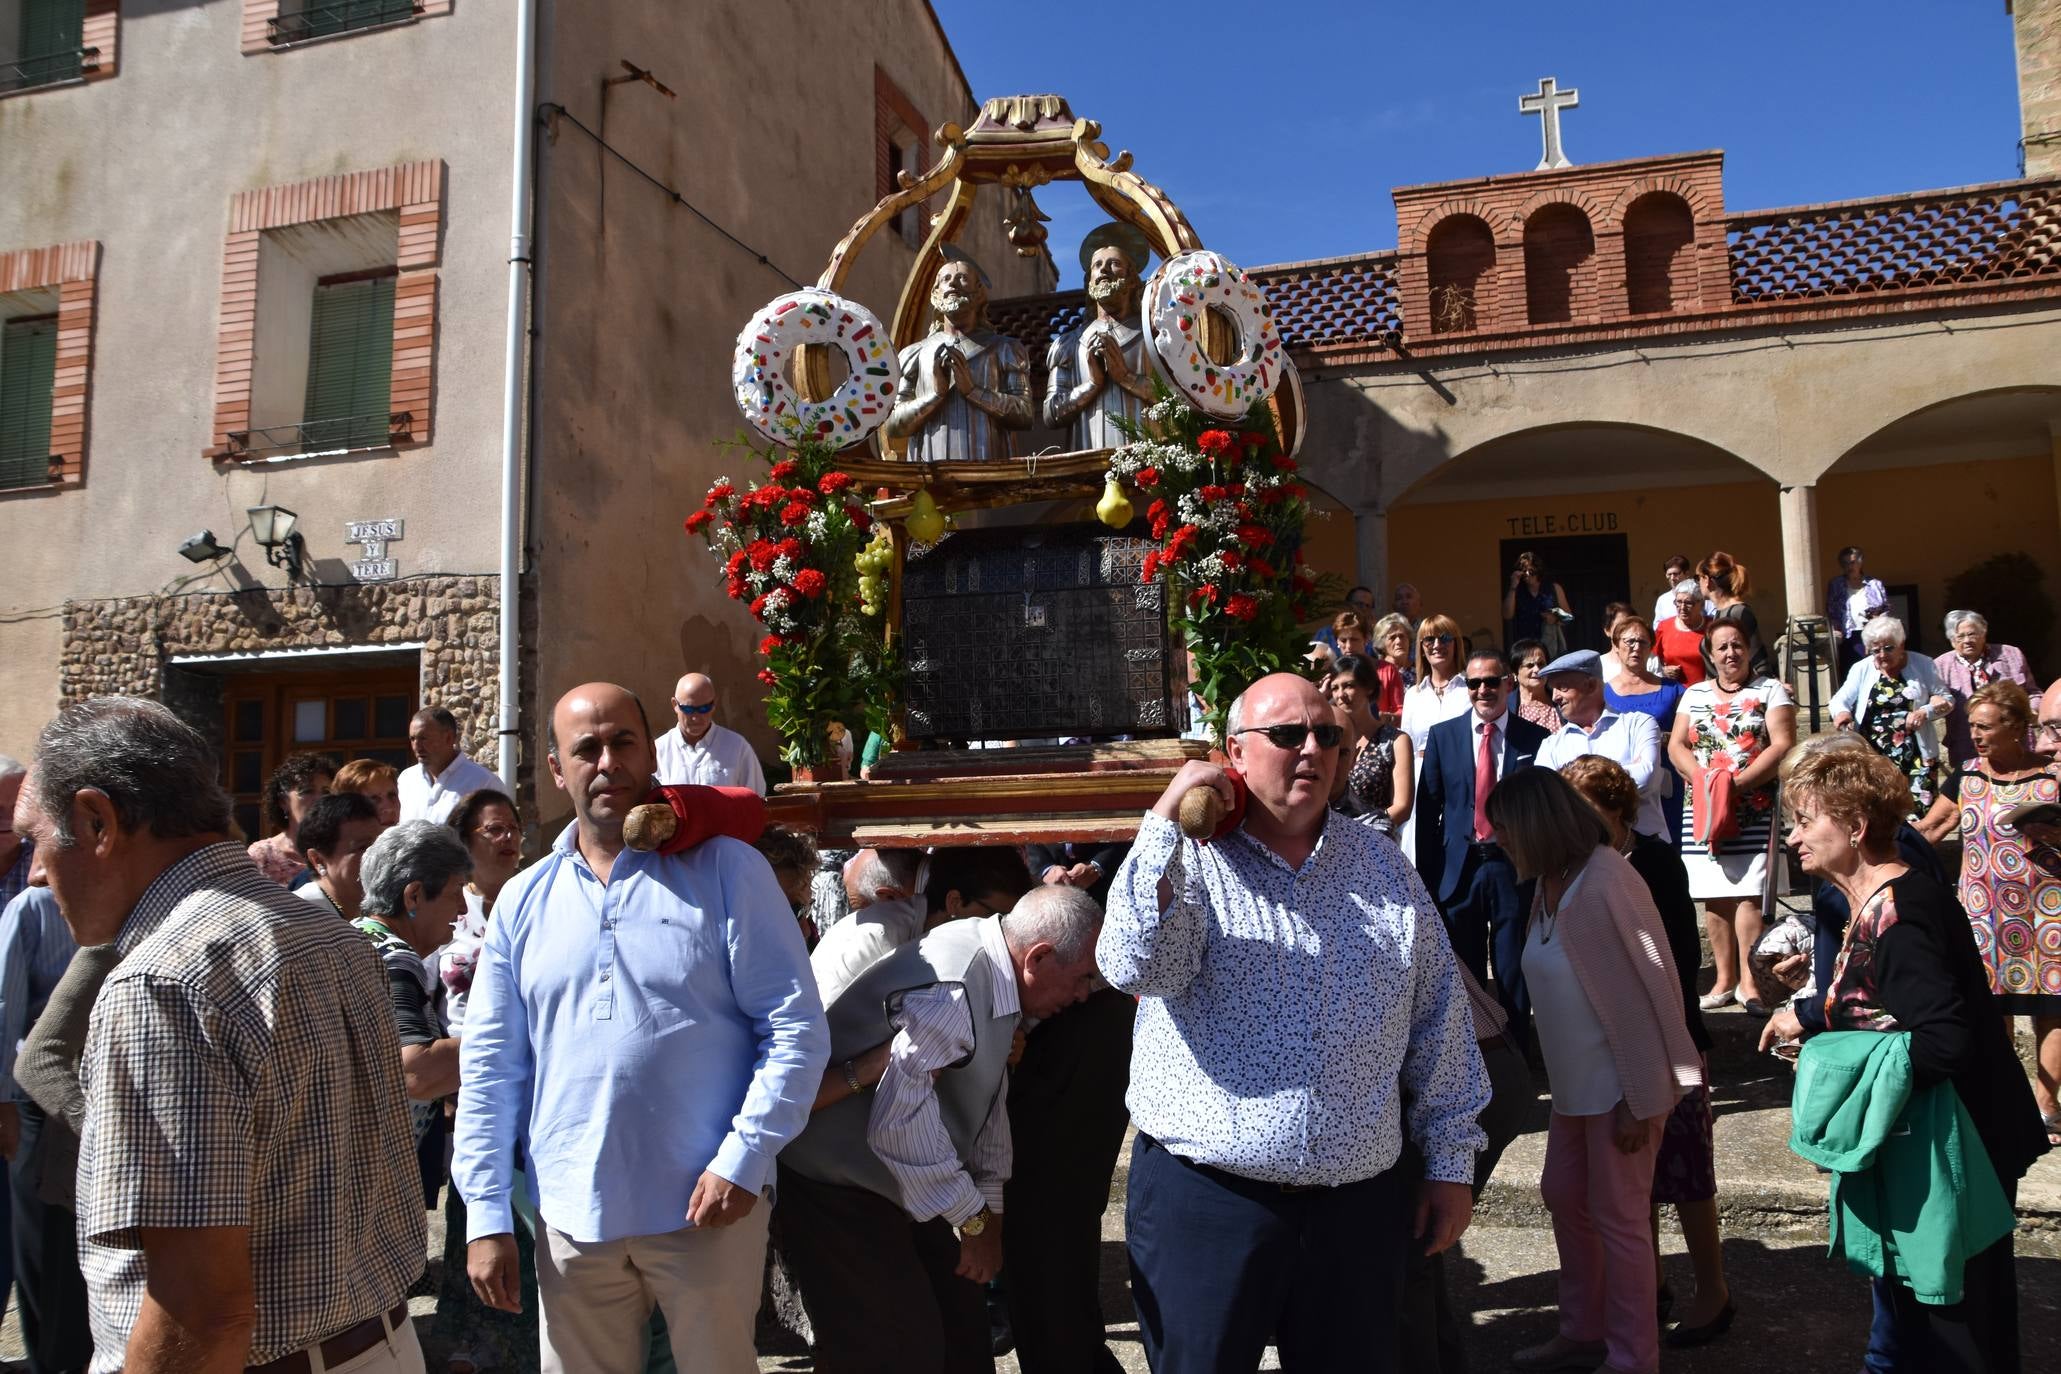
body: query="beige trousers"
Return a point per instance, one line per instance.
(596, 1297)
(399, 1353)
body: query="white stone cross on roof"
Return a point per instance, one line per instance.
(1548, 104)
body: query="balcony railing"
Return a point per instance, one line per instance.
(50, 69)
(321, 436)
(1983, 235)
(321, 20)
(27, 471)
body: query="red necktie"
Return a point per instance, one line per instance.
(1484, 782)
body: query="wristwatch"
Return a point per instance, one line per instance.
(976, 1223)
(851, 1079)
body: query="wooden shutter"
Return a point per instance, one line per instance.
(350, 364)
(28, 373)
(50, 33)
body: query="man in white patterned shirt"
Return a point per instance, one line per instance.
(873, 1190)
(247, 1190)
(1299, 1009)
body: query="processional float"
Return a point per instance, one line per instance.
(909, 555)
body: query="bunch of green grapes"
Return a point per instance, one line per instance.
(875, 562)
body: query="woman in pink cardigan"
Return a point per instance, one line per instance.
(1608, 1009)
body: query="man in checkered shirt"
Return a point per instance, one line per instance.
(247, 1182)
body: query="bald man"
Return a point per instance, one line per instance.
(698, 750)
(647, 1028)
(1269, 1199)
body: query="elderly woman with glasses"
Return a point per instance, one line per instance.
(2011, 884)
(1971, 665)
(1532, 699)
(1891, 699)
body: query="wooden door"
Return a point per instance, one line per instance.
(346, 715)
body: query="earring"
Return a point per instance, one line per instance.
(1853, 841)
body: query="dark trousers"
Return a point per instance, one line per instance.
(1485, 922)
(1221, 1265)
(1977, 1335)
(45, 1253)
(879, 1288)
(1067, 1119)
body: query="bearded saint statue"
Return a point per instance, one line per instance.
(1098, 372)
(964, 386)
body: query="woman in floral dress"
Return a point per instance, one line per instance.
(1380, 780)
(1736, 723)
(2009, 886)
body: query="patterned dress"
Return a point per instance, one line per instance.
(2013, 905)
(1886, 727)
(1730, 732)
(1370, 787)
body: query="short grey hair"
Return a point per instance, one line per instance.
(1883, 632)
(155, 769)
(1065, 918)
(1234, 719)
(1688, 586)
(423, 852)
(883, 869)
(1954, 621)
(12, 767)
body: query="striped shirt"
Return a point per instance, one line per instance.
(242, 1070)
(934, 1030)
(36, 947)
(16, 877)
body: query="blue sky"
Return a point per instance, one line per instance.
(1280, 127)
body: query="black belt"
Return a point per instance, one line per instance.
(1242, 1180)
(347, 1344)
(1485, 849)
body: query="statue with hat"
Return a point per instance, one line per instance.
(1098, 371)
(964, 385)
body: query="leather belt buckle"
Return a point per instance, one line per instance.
(347, 1344)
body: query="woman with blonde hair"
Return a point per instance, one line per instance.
(1439, 693)
(1908, 965)
(1685, 1170)
(1727, 586)
(1607, 1005)
(377, 782)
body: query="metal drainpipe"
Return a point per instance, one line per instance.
(512, 390)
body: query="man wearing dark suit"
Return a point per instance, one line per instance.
(1469, 876)
(1089, 867)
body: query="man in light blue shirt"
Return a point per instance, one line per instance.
(1592, 726)
(646, 1026)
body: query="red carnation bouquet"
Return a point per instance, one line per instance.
(1226, 511)
(787, 548)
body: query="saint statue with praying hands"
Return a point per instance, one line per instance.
(1098, 371)
(964, 386)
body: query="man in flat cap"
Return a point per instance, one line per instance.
(1098, 370)
(1591, 725)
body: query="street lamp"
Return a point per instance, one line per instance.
(273, 528)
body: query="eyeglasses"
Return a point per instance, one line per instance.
(684, 709)
(1291, 736)
(1436, 639)
(498, 832)
(2048, 729)
(1482, 684)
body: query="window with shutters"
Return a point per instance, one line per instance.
(350, 363)
(41, 42)
(270, 25)
(28, 377)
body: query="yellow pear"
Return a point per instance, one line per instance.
(1114, 509)
(924, 524)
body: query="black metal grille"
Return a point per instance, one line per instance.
(338, 16)
(47, 70)
(321, 436)
(1036, 632)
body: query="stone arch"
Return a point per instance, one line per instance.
(1460, 259)
(1659, 253)
(1693, 194)
(1559, 264)
(1414, 237)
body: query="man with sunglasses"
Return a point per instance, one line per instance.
(1471, 878)
(700, 751)
(1300, 1016)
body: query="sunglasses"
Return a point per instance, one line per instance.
(1482, 684)
(686, 710)
(1436, 639)
(1292, 736)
